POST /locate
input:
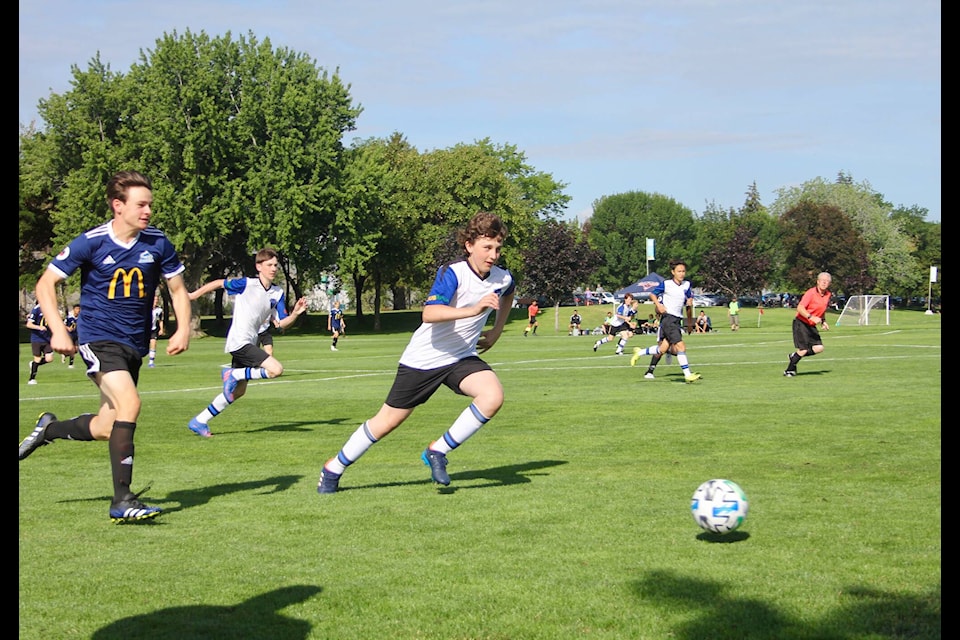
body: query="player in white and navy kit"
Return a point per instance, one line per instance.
(120, 263)
(257, 300)
(674, 301)
(621, 325)
(444, 351)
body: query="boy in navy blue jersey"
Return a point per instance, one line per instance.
(121, 262)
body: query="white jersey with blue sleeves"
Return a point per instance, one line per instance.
(117, 282)
(674, 296)
(440, 344)
(253, 305)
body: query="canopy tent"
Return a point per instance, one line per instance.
(641, 288)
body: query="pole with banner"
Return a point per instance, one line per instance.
(933, 278)
(650, 255)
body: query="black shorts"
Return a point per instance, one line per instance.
(265, 338)
(805, 336)
(105, 356)
(412, 387)
(248, 356)
(154, 334)
(40, 349)
(671, 329)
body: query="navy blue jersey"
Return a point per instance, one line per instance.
(117, 282)
(36, 317)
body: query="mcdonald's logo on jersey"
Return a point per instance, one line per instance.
(127, 278)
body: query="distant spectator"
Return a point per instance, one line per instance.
(701, 323)
(575, 321)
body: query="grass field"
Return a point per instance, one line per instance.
(567, 516)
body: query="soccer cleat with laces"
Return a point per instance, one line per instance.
(199, 428)
(229, 384)
(789, 373)
(691, 377)
(438, 466)
(635, 356)
(132, 510)
(596, 345)
(329, 481)
(648, 375)
(37, 437)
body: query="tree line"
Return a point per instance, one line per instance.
(245, 146)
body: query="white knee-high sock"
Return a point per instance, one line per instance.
(356, 446)
(467, 424)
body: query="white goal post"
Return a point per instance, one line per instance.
(865, 310)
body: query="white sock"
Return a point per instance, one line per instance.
(356, 446)
(467, 424)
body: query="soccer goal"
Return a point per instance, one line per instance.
(865, 310)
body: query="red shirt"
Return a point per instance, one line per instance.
(532, 311)
(815, 303)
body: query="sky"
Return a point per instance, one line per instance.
(696, 100)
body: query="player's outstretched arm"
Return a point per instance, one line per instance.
(213, 285)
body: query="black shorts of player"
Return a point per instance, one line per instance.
(248, 356)
(40, 349)
(106, 356)
(265, 339)
(155, 334)
(805, 336)
(412, 387)
(670, 329)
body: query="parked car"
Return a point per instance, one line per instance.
(608, 298)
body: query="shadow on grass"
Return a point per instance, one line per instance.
(255, 619)
(495, 477)
(189, 498)
(863, 612)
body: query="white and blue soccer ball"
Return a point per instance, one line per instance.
(719, 506)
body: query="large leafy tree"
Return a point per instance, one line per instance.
(620, 226)
(737, 247)
(818, 237)
(243, 144)
(890, 263)
(555, 261)
(736, 266)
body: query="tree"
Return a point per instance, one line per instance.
(889, 260)
(736, 267)
(620, 226)
(555, 261)
(818, 237)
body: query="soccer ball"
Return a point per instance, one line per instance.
(719, 506)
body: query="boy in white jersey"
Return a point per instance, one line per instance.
(674, 301)
(257, 301)
(444, 351)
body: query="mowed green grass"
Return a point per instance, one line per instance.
(567, 516)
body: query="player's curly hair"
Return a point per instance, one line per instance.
(482, 225)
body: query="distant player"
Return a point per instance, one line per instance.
(39, 342)
(622, 325)
(256, 301)
(156, 329)
(336, 324)
(674, 301)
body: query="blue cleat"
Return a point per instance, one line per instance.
(132, 510)
(438, 466)
(199, 428)
(329, 482)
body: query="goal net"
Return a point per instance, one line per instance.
(865, 310)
